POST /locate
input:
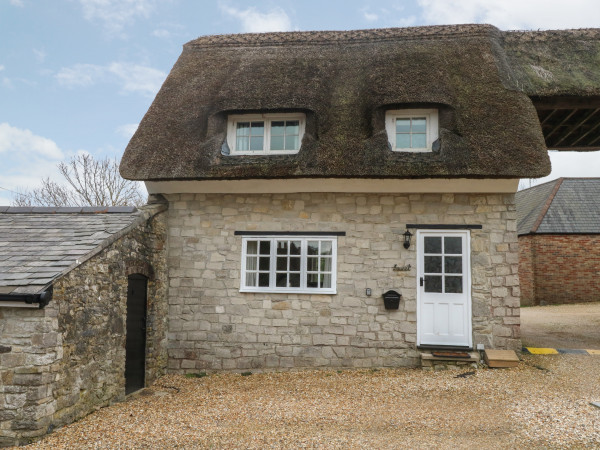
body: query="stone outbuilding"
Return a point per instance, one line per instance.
(75, 284)
(559, 242)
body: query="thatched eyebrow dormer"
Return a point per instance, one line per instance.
(343, 82)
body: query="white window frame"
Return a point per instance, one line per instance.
(303, 289)
(432, 127)
(268, 118)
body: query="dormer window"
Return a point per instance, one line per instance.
(265, 134)
(412, 130)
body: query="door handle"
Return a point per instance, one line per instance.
(421, 281)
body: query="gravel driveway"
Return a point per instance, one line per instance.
(543, 402)
(561, 326)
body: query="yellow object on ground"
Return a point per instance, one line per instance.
(542, 351)
(593, 352)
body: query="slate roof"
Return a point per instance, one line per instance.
(562, 206)
(38, 244)
(344, 81)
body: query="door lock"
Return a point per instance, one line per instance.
(421, 281)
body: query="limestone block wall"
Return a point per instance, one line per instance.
(60, 363)
(214, 326)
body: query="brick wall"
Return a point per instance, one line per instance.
(559, 268)
(214, 326)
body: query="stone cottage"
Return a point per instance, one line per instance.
(324, 199)
(82, 312)
(308, 174)
(559, 241)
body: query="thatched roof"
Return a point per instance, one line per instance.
(478, 77)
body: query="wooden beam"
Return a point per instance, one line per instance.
(594, 128)
(548, 116)
(576, 126)
(559, 125)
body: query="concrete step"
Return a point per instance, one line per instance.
(442, 358)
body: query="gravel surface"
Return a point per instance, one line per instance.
(561, 326)
(543, 403)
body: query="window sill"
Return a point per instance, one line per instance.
(290, 291)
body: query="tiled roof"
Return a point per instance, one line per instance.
(563, 206)
(37, 245)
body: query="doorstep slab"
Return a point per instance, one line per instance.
(500, 358)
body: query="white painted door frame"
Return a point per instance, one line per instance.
(430, 333)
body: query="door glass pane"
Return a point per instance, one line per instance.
(419, 141)
(433, 264)
(294, 280)
(453, 245)
(313, 247)
(453, 264)
(326, 280)
(453, 285)
(433, 244)
(433, 283)
(312, 280)
(263, 279)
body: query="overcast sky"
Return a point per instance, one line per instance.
(78, 75)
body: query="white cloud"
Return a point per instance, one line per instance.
(26, 159)
(79, 75)
(253, 21)
(1, 67)
(127, 130)
(131, 77)
(369, 16)
(161, 33)
(115, 14)
(514, 14)
(24, 142)
(17, 3)
(40, 55)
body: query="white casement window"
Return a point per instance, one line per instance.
(412, 130)
(265, 134)
(289, 264)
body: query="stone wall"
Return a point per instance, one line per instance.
(68, 359)
(214, 326)
(559, 268)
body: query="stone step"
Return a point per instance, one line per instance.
(441, 358)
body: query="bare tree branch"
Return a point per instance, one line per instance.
(90, 182)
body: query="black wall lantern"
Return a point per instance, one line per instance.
(407, 235)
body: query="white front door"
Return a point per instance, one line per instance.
(443, 288)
